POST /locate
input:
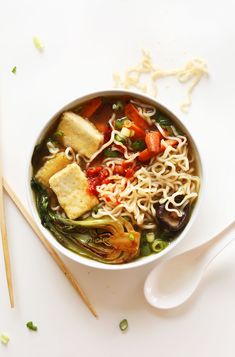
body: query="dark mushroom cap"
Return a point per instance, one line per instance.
(170, 219)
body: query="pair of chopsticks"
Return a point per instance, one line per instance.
(52, 252)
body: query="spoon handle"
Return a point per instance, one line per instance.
(215, 245)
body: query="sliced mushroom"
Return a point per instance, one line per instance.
(170, 219)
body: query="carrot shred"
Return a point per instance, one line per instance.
(91, 107)
(145, 155)
(132, 113)
(139, 133)
(153, 141)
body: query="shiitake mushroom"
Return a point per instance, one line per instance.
(171, 220)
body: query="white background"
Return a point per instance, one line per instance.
(85, 41)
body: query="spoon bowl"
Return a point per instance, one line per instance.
(172, 282)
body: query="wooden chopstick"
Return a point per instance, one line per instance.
(51, 251)
(5, 243)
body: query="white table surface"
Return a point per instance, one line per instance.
(85, 41)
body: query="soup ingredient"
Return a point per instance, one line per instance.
(153, 142)
(163, 121)
(93, 238)
(145, 249)
(150, 236)
(58, 134)
(14, 70)
(4, 338)
(91, 107)
(118, 106)
(37, 43)
(158, 245)
(192, 72)
(138, 145)
(52, 166)
(123, 325)
(127, 132)
(111, 153)
(145, 155)
(132, 113)
(119, 123)
(96, 177)
(170, 219)
(72, 190)
(80, 134)
(165, 143)
(138, 132)
(31, 326)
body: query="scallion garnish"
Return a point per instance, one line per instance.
(14, 70)
(150, 236)
(31, 326)
(37, 43)
(118, 106)
(111, 153)
(58, 134)
(119, 123)
(119, 138)
(138, 145)
(131, 236)
(123, 325)
(158, 245)
(145, 249)
(4, 338)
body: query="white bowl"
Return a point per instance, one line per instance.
(140, 261)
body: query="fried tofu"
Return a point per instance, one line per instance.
(80, 134)
(71, 188)
(50, 167)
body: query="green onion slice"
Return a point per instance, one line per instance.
(4, 338)
(118, 105)
(37, 43)
(123, 325)
(131, 236)
(158, 245)
(31, 326)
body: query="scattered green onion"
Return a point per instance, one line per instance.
(145, 249)
(119, 138)
(4, 338)
(123, 325)
(118, 106)
(14, 70)
(163, 121)
(37, 43)
(58, 134)
(127, 123)
(150, 237)
(127, 132)
(110, 153)
(158, 245)
(119, 123)
(138, 145)
(31, 326)
(131, 236)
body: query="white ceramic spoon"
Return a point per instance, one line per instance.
(173, 281)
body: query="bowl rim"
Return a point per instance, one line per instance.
(139, 261)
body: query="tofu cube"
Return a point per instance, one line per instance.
(50, 167)
(71, 188)
(80, 134)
